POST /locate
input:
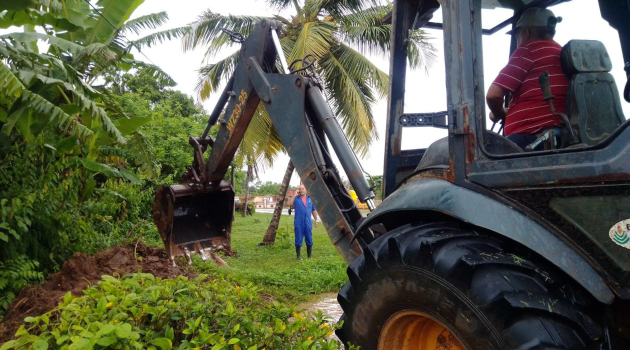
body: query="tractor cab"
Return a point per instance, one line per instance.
(560, 200)
(594, 115)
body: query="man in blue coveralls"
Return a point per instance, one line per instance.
(303, 207)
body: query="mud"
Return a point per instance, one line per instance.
(82, 271)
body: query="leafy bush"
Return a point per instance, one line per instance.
(142, 311)
(16, 274)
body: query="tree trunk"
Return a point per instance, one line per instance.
(233, 179)
(270, 236)
(249, 170)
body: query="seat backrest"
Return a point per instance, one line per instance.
(593, 103)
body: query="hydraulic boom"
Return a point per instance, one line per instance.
(196, 215)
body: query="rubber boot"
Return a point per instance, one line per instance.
(297, 250)
(309, 251)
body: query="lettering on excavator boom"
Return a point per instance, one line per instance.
(238, 110)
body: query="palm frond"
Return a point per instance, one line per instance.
(350, 95)
(280, 4)
(366, 30)
(420, 52)
(142, 153)
(337, 8)
(206, 30)
(159, 37)
(156, 72)
(314, 38)
(211, 75)
(150, 21)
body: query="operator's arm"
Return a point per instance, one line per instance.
(494, 98)
(315, 217)
(509, 80)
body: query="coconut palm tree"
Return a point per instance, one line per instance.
(337, 33)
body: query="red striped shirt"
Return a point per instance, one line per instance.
(528, 113)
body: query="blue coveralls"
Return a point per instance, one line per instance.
(302, 221)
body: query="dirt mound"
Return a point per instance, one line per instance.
(82, 271)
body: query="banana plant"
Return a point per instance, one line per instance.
(55, 88)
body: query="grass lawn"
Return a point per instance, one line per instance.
(275, 269)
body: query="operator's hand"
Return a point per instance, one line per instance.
(496, 119)
(315, 223)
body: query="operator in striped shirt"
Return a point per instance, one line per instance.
(528, 115)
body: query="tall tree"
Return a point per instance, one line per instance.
(270, 235)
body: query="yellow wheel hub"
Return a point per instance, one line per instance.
(411, 329)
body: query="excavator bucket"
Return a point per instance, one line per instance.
(194, 219)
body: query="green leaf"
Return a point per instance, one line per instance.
(40, 344)
(233, 341)
(30, 319)
(8, 345)
(107, 341)
(123, 331)
(63, 44)
(46, 113)
(110, 279)
(162, 343)
(62, 339)
(10, 86)
(113, 14)
(67, 297)
(87, 190)
(13, 5)
(142, 154)
(70, 108)
(66, 145)
(129, 176)
(128, 126)
(99, 168)
(197, 322)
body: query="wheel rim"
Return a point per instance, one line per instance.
(411, 329)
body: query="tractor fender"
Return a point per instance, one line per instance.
(434, 195)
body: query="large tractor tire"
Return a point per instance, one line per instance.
(442, 286)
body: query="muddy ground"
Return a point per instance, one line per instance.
(82, 271)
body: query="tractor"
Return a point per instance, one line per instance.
(478, 244)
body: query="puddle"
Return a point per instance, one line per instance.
(328, 304)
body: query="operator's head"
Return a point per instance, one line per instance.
(536, 24)
(302, 190)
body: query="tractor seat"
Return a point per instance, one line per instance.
(437, 153)
(593, 103)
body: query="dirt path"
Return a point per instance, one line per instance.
(82, 271)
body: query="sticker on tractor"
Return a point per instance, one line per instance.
(620, 233)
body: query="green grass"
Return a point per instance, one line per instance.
(275, 269)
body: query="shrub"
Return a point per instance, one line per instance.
(16, 274)
(142, 311)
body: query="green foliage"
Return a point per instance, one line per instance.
(141, 311)
(267, 188)
(274, 268)
(378, 186)
(16, 274)
(51, 206)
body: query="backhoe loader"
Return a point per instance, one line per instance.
(478, 243)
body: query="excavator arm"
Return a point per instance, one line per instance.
(196, 215)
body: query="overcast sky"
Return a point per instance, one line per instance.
(424, 93)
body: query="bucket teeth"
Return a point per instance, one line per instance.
(187, 254)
